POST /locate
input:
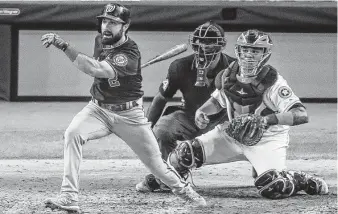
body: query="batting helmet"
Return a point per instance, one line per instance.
(116, 12)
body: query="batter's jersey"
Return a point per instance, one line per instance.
(181, 77)
(127, 85)
(242, 98)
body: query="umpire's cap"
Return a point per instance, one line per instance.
(115, 12)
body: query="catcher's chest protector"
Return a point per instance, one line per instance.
(246, 98)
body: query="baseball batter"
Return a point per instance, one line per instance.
(177, 122)
(116, 107)
(258, 100)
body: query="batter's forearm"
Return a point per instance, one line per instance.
(293, 117)
(156, 108)
(211, 106)
(88, 65)
(71, 53)
(85, 63)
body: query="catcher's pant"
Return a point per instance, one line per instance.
(179, 126)
(269, 153)
(94, 122)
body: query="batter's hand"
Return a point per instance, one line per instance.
(54, 39)
(201, 119)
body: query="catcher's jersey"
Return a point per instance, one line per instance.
(182, 77)
(127, 85)
(239, 98)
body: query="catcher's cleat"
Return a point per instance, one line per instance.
(62, 202)
(310, 184)
(316, 186)
(191, 196)
(151, 184)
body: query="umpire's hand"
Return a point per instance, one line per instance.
(201, 119)
(54, 39)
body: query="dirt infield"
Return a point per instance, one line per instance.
(31, 168)
(108, 187)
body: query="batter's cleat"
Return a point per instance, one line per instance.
(62, 202)
(191, 196)
(151, 184)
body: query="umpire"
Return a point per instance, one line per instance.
(194, 77)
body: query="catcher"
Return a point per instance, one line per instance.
(261, 108)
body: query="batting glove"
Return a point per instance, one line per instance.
(54, 39)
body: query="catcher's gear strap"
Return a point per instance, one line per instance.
(275, 185)
(222, 76)
(265, 79)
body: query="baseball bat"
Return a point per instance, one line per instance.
(167, 54)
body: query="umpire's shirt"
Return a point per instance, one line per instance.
(182, 76)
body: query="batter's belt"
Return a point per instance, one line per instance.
(116, 107)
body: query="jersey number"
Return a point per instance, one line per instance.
(113, 82)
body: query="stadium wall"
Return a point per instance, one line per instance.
(304, 35)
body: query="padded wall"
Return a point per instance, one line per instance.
(5, 62)
(306, 60)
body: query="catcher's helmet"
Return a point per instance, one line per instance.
(254, 39)
(207, 41)
(116, 12)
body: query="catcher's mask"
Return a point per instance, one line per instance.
(116, 12)
(207, 41)
(251, 64)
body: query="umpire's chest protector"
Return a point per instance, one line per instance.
(245, 97)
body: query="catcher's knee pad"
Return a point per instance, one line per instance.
(186, 155)
(275, 185)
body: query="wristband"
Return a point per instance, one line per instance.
(64, 46)
(285, 118)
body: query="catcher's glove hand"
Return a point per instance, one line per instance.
(247, 129)
(54, 39)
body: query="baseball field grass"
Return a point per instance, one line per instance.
(31, 152)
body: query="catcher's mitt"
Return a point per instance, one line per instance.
(247, 129)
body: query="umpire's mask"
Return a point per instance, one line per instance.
(206, 41)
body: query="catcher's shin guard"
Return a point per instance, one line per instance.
(187, 155)
(275, 185)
